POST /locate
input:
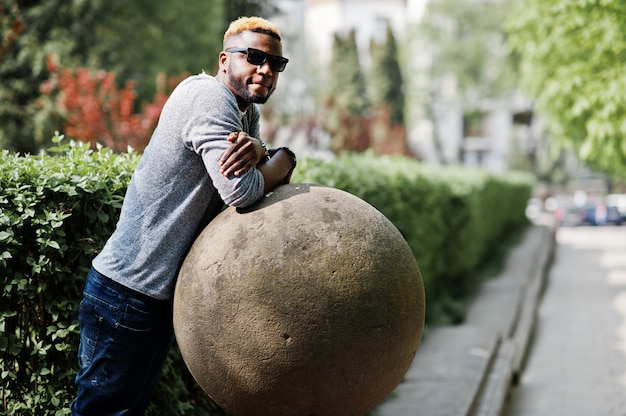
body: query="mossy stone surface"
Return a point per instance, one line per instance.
(308, 303)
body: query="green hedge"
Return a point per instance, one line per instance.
(58, 208)
(56, 212)
(452, 217)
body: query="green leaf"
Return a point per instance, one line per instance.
(103, 216)
(4, 343)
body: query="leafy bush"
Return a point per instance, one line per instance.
(58, 208)
(56, 212)
(92, 108)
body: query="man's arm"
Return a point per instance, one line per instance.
(277, 170)
(246, 152)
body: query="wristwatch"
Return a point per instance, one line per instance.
(265, 149)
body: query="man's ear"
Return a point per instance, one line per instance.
(223, 61)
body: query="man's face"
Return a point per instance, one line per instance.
(250, 83)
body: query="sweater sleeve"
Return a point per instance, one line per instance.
(211, 113)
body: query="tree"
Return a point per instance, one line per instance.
(347, 83)
(386, 92)
(136, 40)
(89, 107)
(30, 31)
(345, 99)
(141, 39)
(387, 86)
(237, 8)
(572, 62)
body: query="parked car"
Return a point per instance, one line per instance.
(569, 216)
(619, 201)
(601, 214)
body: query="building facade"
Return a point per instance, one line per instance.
(324, 18)
(442, 131)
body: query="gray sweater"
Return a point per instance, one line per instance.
(177, 187)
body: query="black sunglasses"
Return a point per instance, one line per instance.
(257, 57)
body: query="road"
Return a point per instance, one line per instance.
(577, 363)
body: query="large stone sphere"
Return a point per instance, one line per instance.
(308, 303)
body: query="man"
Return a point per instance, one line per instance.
(204, 152)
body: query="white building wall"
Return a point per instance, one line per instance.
(368, 18)
(322, 19)
(448, 127)
(500, 123)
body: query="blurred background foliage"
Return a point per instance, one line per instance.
(139, 41)
(572, 61)
(101, 70)
(567, 56)
(84, 68)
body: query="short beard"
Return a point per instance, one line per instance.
(244, 93)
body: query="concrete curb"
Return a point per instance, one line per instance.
(468, 370)
(516, 342)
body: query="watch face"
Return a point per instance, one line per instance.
(267, 152)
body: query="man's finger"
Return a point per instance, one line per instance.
(233, 148)
(244, 168)
(228, 164)
(226, 155)
(235, 166)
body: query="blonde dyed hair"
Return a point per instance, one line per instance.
(253, 24)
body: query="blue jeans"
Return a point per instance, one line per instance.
(124, 340)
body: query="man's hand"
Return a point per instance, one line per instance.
(244, 153)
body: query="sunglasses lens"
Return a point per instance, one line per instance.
(256, 57)
(277, 63)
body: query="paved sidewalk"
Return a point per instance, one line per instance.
(467, 370)
(577, 364)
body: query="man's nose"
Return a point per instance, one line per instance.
(265, 68)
